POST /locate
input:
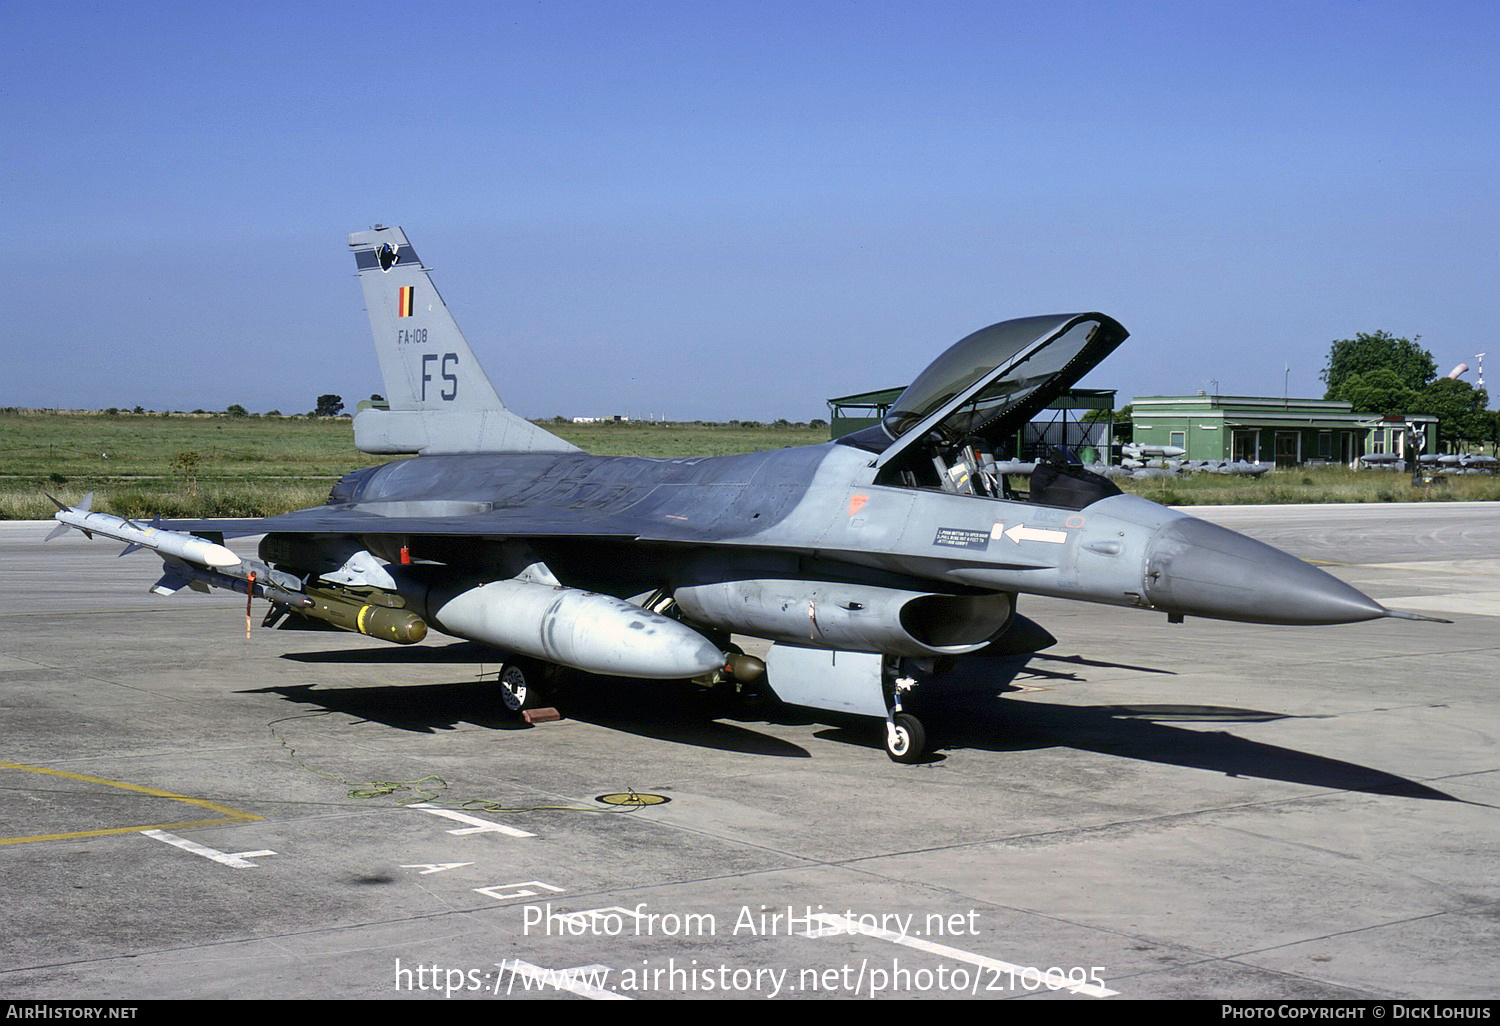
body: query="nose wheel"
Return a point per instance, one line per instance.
(905, 738)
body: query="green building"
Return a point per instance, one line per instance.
(1263, 430)
(850, 413)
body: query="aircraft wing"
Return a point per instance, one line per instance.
(529, 496)
(664, 520)
(487, 523)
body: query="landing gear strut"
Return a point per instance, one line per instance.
(905, 737)
(866, 684)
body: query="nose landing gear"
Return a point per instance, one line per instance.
(905, 737)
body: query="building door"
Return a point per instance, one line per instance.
(1288, 448)
(1246, 446)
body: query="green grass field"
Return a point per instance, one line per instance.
(1313, 484)
(142, 464)
(186, 465)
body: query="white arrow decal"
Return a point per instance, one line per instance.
(1021, 533)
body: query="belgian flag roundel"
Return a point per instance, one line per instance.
(404, 300)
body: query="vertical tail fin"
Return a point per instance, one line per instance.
(440, 399)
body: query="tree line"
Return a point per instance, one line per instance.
(1377, 372)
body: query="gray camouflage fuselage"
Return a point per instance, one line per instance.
(633, 525)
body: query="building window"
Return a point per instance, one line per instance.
(1325, 444)
(1177, 438)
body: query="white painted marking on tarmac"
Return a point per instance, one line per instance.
(236, 861)
(589, 916)
(476, 825)
(494, 890)
(572, 980)
(835, 925)
(436, 867)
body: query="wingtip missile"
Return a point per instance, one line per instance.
(178, 544)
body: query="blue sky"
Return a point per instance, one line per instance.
(735, 210)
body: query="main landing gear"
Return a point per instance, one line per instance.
(522, 685)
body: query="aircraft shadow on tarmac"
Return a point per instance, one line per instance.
(968, 711)
(674, 711)
(1142, 732)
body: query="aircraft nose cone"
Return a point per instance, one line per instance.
(1202, 569)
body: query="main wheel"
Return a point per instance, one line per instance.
(518, 686)
(905, 738)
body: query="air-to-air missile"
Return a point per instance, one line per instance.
(545, 620)
(201, 563)
(176, 544)
(135, 536)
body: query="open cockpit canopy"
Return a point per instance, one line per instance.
(979, 393)
(993, 381)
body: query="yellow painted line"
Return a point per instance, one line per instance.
(227, 815)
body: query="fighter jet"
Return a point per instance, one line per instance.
(870, 563)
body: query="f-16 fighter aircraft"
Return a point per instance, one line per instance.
(870, 562)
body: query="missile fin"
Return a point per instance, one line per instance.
(170, 584)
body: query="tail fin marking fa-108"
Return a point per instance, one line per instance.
(440, 400)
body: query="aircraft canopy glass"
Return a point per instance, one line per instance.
(1028, 363)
